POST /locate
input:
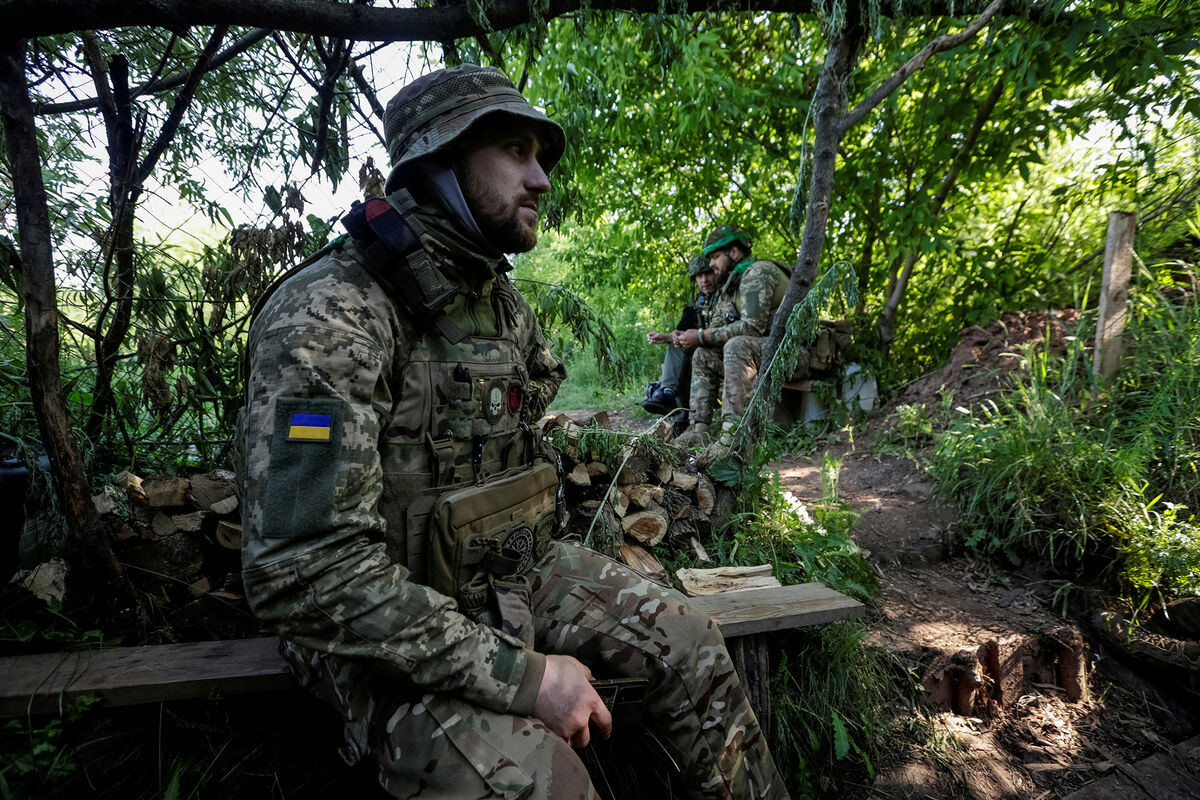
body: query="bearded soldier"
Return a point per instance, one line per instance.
(726, 363)
(400, 505)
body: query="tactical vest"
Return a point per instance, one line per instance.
(456, 420)
(457, 385)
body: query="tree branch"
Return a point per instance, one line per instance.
(238, 47)
(938, 45)
(30, 18)
(182, 101)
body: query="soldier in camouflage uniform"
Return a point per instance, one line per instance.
(670, 391)
(376, 422)
(726, 362)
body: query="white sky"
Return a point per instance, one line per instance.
(163, 214)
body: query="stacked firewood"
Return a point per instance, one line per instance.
(179, 540)
(635, 496)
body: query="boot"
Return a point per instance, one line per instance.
(696, 435)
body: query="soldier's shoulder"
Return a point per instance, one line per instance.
(334, 291)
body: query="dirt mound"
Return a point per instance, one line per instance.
(984, 359)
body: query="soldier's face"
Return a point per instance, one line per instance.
(501, 181)
(720, 262)
(706, 282)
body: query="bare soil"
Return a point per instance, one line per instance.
(938, 602)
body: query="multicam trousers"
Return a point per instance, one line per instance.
(731, 370)
(617, 622)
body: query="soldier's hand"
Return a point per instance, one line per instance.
(566, 702)
(654, 337)
(688, 339)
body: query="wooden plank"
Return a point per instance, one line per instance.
(126, 675)
(777, 608)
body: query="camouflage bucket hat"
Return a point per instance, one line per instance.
(433, 112)
(697, 265)
(723, 236)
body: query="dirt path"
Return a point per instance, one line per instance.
(1038, 743)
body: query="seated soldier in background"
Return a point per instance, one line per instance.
(670, 391)
(725, 365)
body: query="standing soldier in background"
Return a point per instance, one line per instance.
(400, 504)
(726, 364)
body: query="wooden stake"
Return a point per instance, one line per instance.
(1114, 291)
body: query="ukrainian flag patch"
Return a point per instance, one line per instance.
(310, 427)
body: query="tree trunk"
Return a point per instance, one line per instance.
(830, 100)
(41, 309)
(887, 318)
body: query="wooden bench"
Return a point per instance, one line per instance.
(798, 402)
(37, 684)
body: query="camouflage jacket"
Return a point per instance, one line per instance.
(355, 420)
(746, 302)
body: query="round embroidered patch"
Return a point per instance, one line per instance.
(520, 544)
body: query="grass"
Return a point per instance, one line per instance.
(1103, 479)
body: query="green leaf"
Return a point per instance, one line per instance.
(841, 738)
(273, 199)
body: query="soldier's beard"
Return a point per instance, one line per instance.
(499, 220)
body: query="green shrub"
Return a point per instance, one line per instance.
(1108, 478)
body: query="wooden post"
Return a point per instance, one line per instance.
(1114, 290)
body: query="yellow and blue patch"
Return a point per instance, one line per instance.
(310, 427)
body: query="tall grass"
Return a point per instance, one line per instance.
(1099, 478)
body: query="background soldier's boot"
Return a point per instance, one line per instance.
(717, 449)
(660, 401)
(696, 434)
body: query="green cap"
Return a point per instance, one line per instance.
(697, 265)
(436, 110)
(723, 236)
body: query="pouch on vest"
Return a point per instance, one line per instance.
(479, 534)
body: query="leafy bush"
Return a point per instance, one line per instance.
(1106, 479)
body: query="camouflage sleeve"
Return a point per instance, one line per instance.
(314, 569)
(756, 304)
(546, 372)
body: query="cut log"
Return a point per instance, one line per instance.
(643, 495)
(127, 481)
(648, 527)
(226, 506)
(619, 501)
(698, 551)
(229, 534)
(103, 503)
(188, 522)
(683, 480)
(200, 586)
(663, 431)
(682, 529)
(706, 495)
(676, 503)
(637, 466)
(165, 491)
(644, 562)
(598, 469)
(578, 476)
(698, 582)
(163, 526)
(212, 488)
(130, 484)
